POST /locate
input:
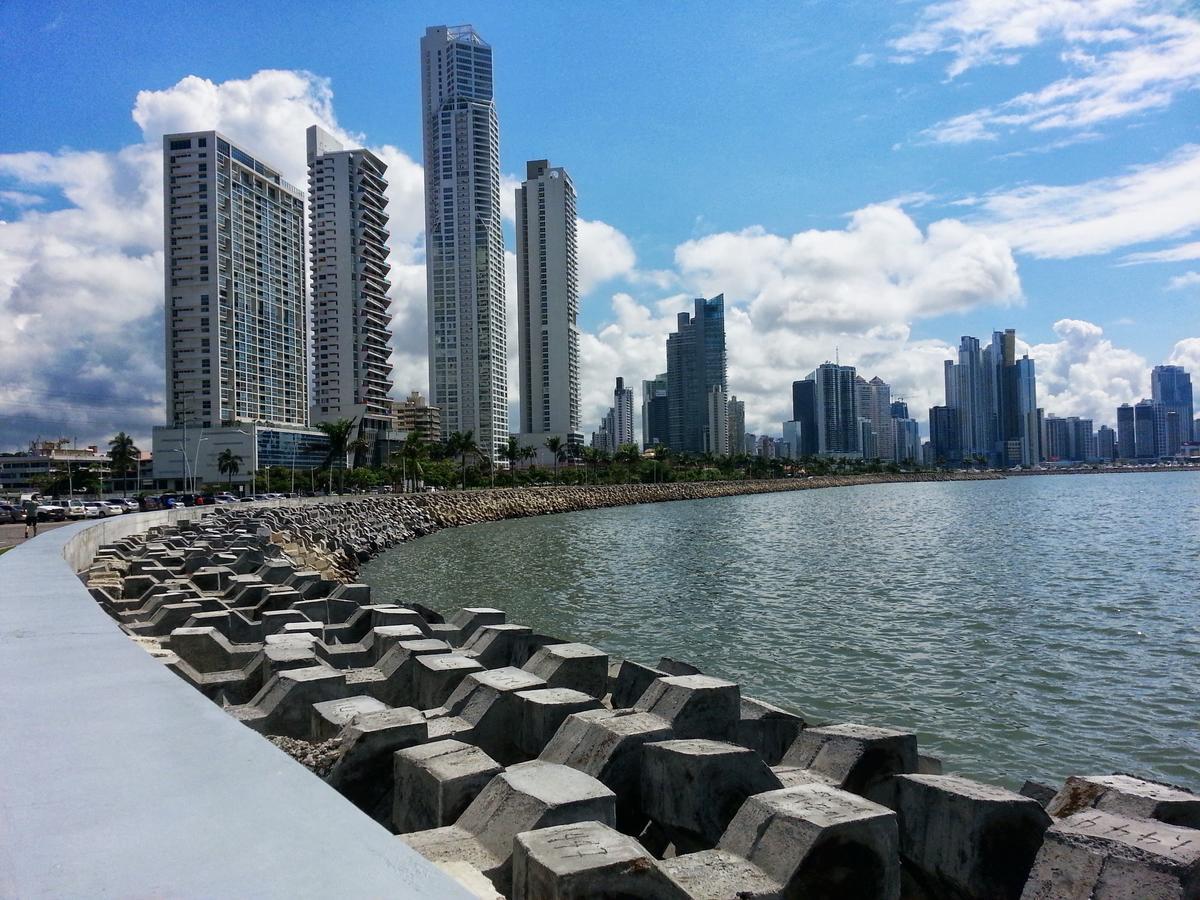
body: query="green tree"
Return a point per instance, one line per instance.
(339, 444)
(513, 453)
(415, 449)
(558, 450)
(229, 463)
(123, 454)
(462, 444)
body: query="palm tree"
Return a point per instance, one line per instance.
(359, 445)
(123, 454)
(414, 451)
(558, 450)
(229, 463)
(512, 452)
(339, 442)
(462, 444)
(528, 452)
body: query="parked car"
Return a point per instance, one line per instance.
(129, 504)
(10, 513)
(225, 497)
(49, 511)
(75, 509)
(103, 509)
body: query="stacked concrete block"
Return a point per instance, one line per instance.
(436, 782)
(1093, 855)
(609, 745)
(363, 769)
(586, 860)
(523, 798)
(695, 706)
(437, 676)
(861, 759)
(630, 682)
(579, 667)
(767, 729)
(1127, 796)
(283, 705)
(331, 716)
(692, 789)
(963, 839)
(542, 712)
(465, 622)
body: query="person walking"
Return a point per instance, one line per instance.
(31, 518)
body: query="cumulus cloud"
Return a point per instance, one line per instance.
(1186, 353)
(1122, 57)
(1084, 374)
(604, 253)
(1145, 203)
(1184, 281)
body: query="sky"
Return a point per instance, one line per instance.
(863, 181)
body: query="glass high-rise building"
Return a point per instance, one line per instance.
(696, 365)
(835, 400)
(464, 243)
(655, 415)
(1172, 387)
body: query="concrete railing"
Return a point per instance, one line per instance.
(118, 779)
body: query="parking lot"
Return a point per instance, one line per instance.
(13, 534)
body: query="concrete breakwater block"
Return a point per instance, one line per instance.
(331, 716)
(1127, 796)
(608, 745)
(523, 798)
(768, 730)
(542, 712)
(695, 706)
(436, 782)
(588, 859)
(693, 788)
(579, 667)
(437, 676)
(363, 769)
(861, 759)
(283, 706)
(963, 839)
(630, 682)
(1092, 855)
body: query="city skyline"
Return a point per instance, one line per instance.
(633, 275)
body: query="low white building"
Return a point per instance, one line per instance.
(184, 457)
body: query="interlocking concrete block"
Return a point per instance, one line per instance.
(696, 706)
(207, 650)
(543, 711)
(767, 729)
(586, 860)
(283, 706)
(522, 798)
(719, 875)
(579, 667)
(436, 782)
(487, 702)
(963, 839)
(1127, 796)
(273, 621)
(385, 637)
(819, 841)
(497, 646)
(362, 771)
(468, 620)
(607, 744)
(382, 615)
(693, 788)
(437, 676)
(861, 759)
(1093, 855)
(331, 716)
(630, 682)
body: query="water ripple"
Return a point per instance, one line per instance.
(1033, 627)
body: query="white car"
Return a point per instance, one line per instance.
(107, 508)
(128, 504)
(76, 509)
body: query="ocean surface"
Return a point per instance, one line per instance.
(1028, 628)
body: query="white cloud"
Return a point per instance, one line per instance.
(603, 253)
(1146, 203)
(1186, 353)
(1122, 57)
(1181, 253)
(793, 302)
(21, 199)
(1084, 374)
(1184, 281)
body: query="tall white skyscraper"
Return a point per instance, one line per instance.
(548, 305)
(716, 428)
(235, 329)
(622, 432)
(348, 257)
(464, 244)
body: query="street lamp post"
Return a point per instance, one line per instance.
(183, 450)
(196, 461)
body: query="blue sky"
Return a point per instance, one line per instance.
(948, 168)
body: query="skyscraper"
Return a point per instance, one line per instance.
(944, 445)
(235, 329)
(835, 400)
(1150, 429)
(875, 404)
(622, 427)
(695, 366)
(464, 244)
(1172, 387)
(655, 414)
(804, 414)
(1126, 432)
(737, 424)
(967, 392)
(716, 428)
(1106, 443)
(348, 258)
(548, 305)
